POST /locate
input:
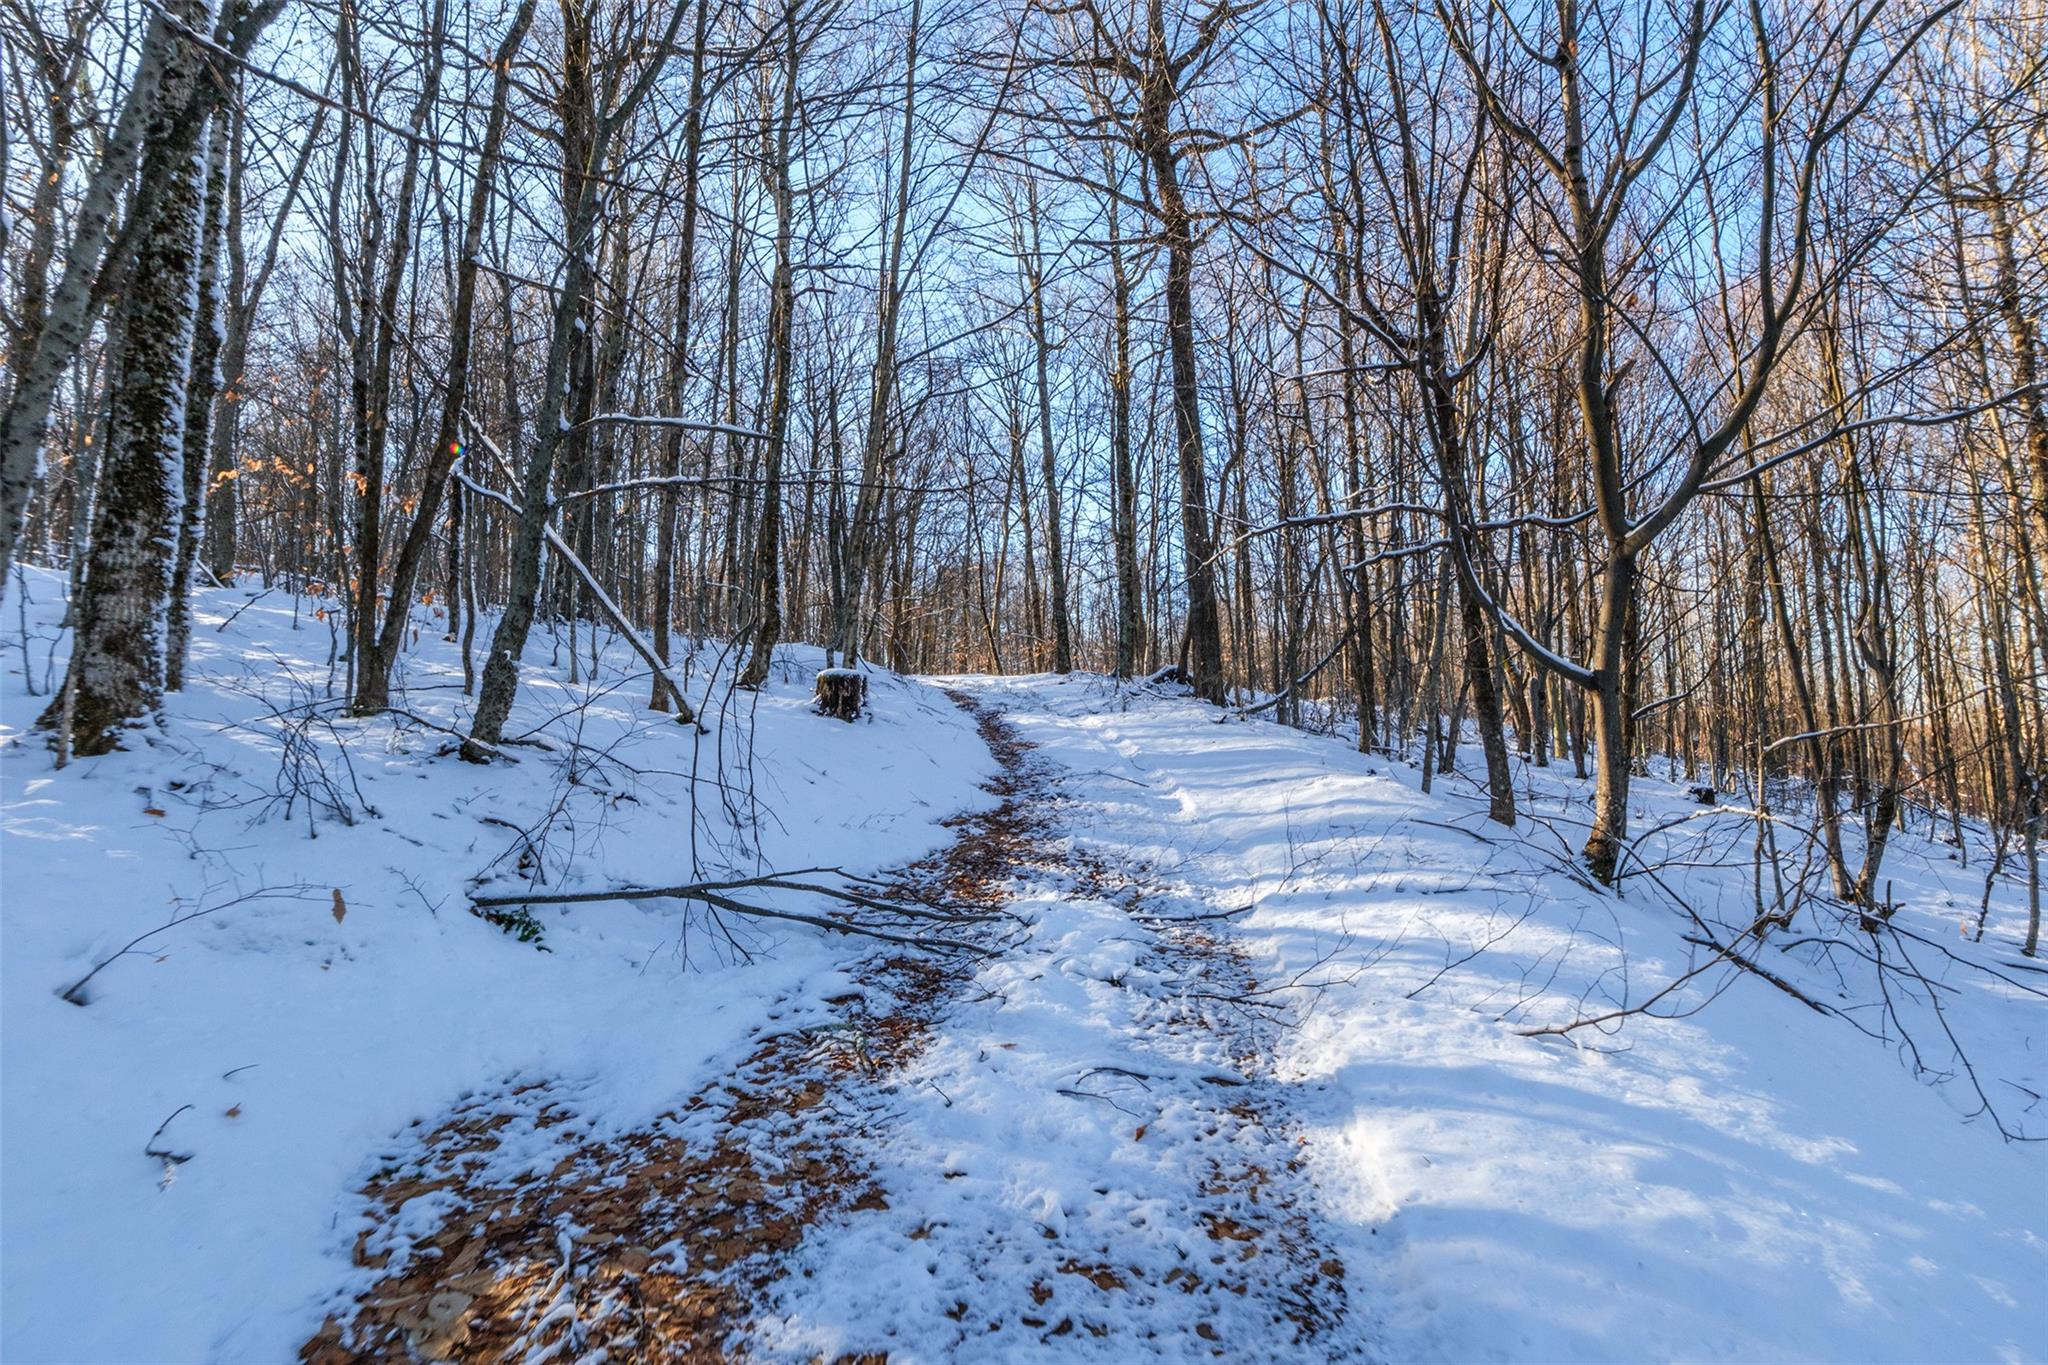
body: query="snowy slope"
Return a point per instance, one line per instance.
(1754, 1181)
(305, 1042)
(1746, 1179)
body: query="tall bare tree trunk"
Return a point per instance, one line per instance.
(1130, 625)
(203, 386)
(1055, 549)
(1198, 550)
(583, 160)
(116, 676)
(374, 670)
(875, 471)
(679, 368)
(767, 631)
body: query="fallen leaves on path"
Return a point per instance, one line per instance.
(655, 1246)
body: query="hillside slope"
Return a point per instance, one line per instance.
(334, 991)
(1255, 1066)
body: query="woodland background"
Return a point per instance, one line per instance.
(1634, 383)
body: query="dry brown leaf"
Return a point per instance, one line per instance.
(235, 1112)
(1139, 1136)
(152, 810)
(340, 906)
(1101, 1276)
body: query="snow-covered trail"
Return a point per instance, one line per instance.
(1248, 1079)
(1075, 1148)
(1092, 1158)
(1747, 1180)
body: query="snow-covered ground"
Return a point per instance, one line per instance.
(297, 1043)
(1754, 1181)
(1747, 1180)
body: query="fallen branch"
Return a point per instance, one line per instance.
(1151, 918)
(75, 992)
(842, 926)
(239, 610)
(695, 891)
(1747, 965)
(169, 1156)
(871, 902)
(712, 893)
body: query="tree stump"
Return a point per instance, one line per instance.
(842, 692)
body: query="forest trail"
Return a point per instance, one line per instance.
(1247, 1074)
(1074, 1147)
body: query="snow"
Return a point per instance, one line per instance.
(308, 1047)
(1745, 1179)
(1749, 1182)
(1048, 1131)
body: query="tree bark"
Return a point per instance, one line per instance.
(1055, 548)
(374, 669)
(582, 162)
(767, 632)
(203, 386)
(679, 368)
(875, 471)
(116, 675)
(165, 106)
(1198, 550)
(1130, 626)
(1603, 848)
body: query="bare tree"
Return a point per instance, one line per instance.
(116, 675)
(1596, 144)
(594, 109)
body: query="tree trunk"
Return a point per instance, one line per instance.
(116, 675)
(166, 103)
(1130, 626)
(582, 161)
(767, 631)
(1603, 848)
(374, 670)
(875, 444)
(203, 385)
(679, 369)
(1055, 549)
(1205, 629)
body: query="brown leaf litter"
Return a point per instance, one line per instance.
(654, 1246)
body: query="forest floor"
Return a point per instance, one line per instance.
(1248, 1061)
(805, 1174)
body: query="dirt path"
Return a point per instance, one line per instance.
(675, 1242)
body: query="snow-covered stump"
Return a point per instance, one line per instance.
(841, 692)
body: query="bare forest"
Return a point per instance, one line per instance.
(1633, 382)
(1557, 404)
